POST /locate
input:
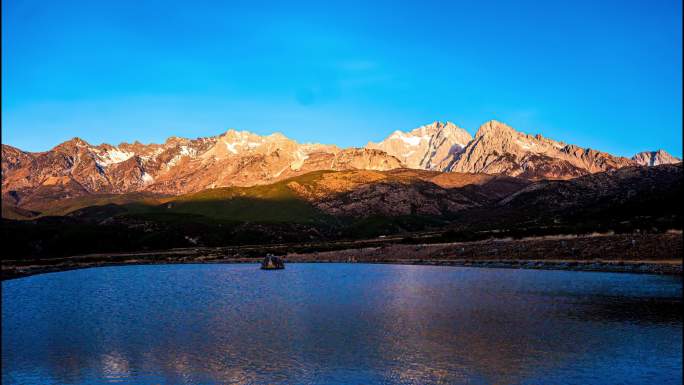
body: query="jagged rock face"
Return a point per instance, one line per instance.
(430, 147)
(499, 149)
(496, 149)
(654, 158)
(177, 166)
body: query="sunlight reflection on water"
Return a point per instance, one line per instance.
(340, 323)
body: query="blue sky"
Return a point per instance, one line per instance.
(600, 74)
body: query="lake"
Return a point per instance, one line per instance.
(340, 324)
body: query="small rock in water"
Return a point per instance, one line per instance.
(271, 262)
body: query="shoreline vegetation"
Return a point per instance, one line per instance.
(608, 252)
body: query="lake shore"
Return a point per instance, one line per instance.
(626, 253)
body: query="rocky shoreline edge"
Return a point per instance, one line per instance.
(619, 253)
(673, 267)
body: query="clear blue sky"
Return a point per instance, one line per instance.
(600, 74)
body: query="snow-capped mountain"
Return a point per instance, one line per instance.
(654, 158)
(241, 158)
(496, 149)
(499, 149)
(236, 158)
(429, 147)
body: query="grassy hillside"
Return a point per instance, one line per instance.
(274, 203)
(269, 203)
(66, 206)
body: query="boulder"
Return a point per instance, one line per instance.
(272, 262)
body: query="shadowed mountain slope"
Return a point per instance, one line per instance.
(329, 205)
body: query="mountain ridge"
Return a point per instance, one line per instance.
(241, 158)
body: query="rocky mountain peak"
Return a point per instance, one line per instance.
(174, 140)
(495, 128)
(431, 128)
(72, 143)
(654, 158)
(500, 149)
(278, 136)
(237, 143)
(78, 141)
(431, 146)
(232, 133)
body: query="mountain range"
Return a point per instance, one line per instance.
(243, 188)
(240, 158)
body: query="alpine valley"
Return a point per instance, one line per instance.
(240, 188)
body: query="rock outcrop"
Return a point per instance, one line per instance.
(271, 262)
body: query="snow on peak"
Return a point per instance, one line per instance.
(236, 141)
(184, 151)
(409, 138)
(112, 156)
(231, 147)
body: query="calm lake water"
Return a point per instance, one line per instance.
(340, 324)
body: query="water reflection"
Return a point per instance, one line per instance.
(332, 323)
(115, 367)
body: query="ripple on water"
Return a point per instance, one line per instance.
(340, 323)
